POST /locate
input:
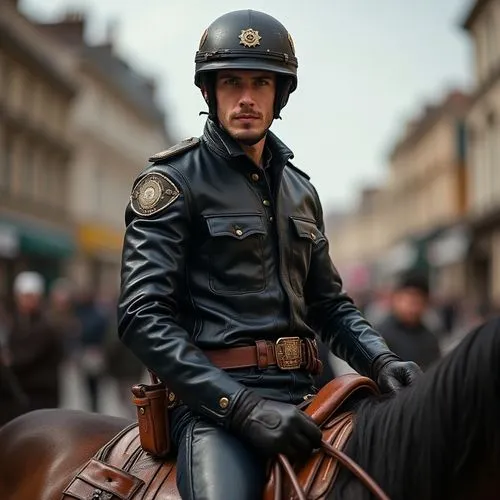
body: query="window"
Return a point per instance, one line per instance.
(60, 183)
(28, 172)
(98, 187)
(18, 89)
(6, 154)
(38, 99)
(45, 177)
(7, 79)
(491, 42)
(491, 158)
(461, 141)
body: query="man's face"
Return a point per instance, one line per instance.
(409, 305)
(245, 103)
(28, 303)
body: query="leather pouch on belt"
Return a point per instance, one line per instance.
(152, 415)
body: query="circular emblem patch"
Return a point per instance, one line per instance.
(153, 193)
(249, 38)
(149, 194)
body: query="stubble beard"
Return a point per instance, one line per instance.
(250, 140)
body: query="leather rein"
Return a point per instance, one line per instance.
(329, 450)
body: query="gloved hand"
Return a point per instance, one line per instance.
(392, 374)
(274, 427)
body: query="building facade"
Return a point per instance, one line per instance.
(115, 126)
(427, 192)
(359, 239)
(36, 96)
(415, 219)
(483, 123)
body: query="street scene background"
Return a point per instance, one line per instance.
(396, 119)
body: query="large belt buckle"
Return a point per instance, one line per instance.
(289, 353)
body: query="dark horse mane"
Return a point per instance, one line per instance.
(438, 433)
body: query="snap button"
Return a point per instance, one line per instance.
(313, 236)
(239, 232)
(224, 402)
(266, 203)
(271, 218)
(255, 177)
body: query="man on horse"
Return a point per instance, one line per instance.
(226, 274)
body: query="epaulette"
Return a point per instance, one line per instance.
(303, 174)
(176, 149)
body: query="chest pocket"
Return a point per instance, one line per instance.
(236, 256)
(306, 236)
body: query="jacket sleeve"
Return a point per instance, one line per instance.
(152, 289)
(333, 314)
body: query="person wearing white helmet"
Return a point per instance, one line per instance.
(34, 350)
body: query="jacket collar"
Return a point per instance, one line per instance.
(222, 144)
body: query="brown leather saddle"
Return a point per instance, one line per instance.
(122, 470)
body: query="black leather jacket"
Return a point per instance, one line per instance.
(228, 263)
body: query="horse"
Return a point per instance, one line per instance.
(438, 439)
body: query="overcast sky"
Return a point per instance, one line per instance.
(365, 66)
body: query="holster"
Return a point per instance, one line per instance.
(152, 414)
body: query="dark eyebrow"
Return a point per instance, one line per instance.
(223, 75)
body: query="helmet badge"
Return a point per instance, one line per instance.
(249, 37)
(292, 45)
(203, 38)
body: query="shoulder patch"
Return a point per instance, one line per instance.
(175, 149)
(153, 193)
(293, 167)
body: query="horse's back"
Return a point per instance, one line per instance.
(42, 450)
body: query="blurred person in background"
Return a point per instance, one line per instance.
(379, 305)
(93, 325)
(32, 352)
(406, 329)
(61, 311)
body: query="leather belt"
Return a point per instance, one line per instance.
(287, 353)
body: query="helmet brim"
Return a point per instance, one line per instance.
(246, 63)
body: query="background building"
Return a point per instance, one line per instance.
(427, 190)
(483, 122)
(115, 126)
(37, 93)
(415, 218)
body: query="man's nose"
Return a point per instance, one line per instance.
(246, 97)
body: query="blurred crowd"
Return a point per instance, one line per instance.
(43, 333)
(417, 325)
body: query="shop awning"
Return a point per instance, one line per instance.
(411, 253)
(39, 240)
(97, 239)
(449, 247)
(9, 241)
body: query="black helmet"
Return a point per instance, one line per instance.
(247, 39)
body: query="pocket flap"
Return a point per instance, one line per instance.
(307, 229)
(97, 476)
(235, 226)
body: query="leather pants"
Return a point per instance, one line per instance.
(212, 464)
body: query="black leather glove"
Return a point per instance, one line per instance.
(392, 374)
(274, 427)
